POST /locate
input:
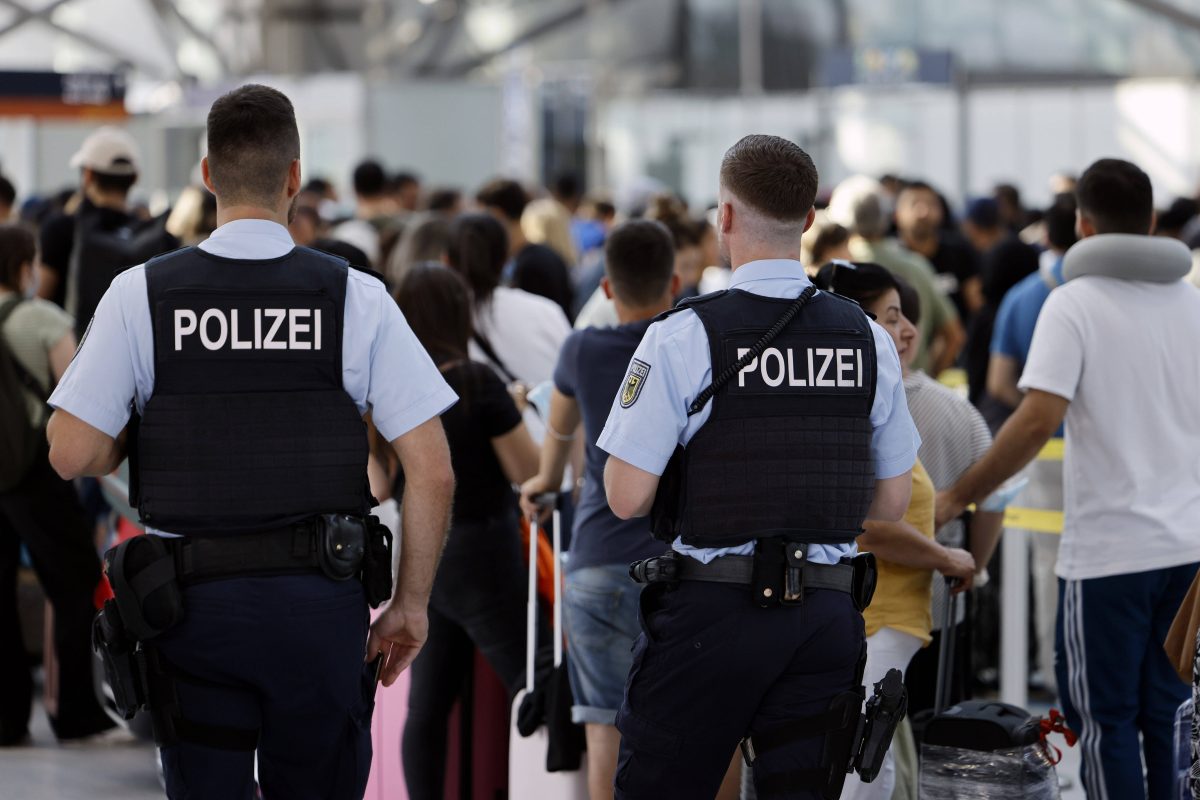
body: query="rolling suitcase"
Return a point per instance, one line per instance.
(982, 748)
(528, 777)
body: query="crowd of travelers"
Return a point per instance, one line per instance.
(531, 301)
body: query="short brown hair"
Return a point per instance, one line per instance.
(18, 247)
(639, 259)
(252, 142)
(772, 175)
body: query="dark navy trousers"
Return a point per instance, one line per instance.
(283, 655)
(1118, 688)
(711, 667)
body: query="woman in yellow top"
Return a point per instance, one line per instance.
(898, 620)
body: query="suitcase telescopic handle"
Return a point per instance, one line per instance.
(531, 601)
(941, 697)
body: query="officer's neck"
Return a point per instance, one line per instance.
(741, 256)
(226, 214)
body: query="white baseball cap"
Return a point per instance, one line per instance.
(109, 150)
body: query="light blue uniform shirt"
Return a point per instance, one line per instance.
(677, 350)
(384, 367)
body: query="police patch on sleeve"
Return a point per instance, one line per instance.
(634, 381)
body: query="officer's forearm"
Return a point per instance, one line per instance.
(424, 511)
(425, 517)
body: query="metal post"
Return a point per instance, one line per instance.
(750, 49)
(1014, 618)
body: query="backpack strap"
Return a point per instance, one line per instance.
(27, 380)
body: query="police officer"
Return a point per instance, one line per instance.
(758, 427)
(249, 364)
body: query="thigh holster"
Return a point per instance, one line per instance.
(853, 741)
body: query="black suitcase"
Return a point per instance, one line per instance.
(979, 748)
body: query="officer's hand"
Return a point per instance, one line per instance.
(532, 494)
(959, 564)
(399, 634)
(948, 506)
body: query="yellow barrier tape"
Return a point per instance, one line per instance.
(1053, 451)
(1038, 520)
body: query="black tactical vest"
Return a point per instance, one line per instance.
(787, 448)
(248, 427)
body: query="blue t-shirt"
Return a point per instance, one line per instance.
(591, 368)
(1018, 313)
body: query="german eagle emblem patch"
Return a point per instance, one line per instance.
(634, 381)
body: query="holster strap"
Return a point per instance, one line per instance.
(832, 719)
(276, 552)
(740, 570)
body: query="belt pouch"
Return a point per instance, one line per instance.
(768, 578)
(865, 577)
(377, 563)
(341, 541)
(141, 571)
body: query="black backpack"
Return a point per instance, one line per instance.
(98, 254)
(20, 440)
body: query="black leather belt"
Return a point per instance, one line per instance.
(740, 570)
(736, 570)
(276, 552)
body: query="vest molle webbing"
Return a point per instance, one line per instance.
(787, 448)
(249, 426)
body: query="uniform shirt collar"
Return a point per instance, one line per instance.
(252, 239)
(771, 269)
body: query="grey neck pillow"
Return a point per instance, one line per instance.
(1132, 258)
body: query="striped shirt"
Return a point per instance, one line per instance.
(953, 437)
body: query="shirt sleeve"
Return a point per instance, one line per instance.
(498, 412)
(566, 370)
(1055, 362)
(649, 413)
(1004, 332)
(99, 386)
(895, 441)
(398, 382)
(52, 324)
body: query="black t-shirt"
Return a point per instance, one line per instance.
(484, 411)
(1003, 267)
(57, 241)
(955, 262)
(539, 270)
(591, 368)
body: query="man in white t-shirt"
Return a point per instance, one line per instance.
(1116, 358)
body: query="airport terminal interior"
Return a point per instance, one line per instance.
(543, 247)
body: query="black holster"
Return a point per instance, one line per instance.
(885, 708)
(377, 563)
(124, 661)
(866, 576)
